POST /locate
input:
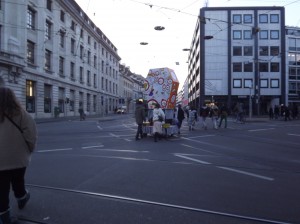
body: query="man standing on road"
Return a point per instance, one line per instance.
(180, 117)
(139, 118)
(223, 114)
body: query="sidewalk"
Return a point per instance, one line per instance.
(107, 117)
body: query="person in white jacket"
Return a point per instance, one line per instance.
(158, 119)
(18, 137)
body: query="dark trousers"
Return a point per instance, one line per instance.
(179, 123)
(139, 130)
(16, 179)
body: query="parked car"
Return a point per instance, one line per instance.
(121, 111)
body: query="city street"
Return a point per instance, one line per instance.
(94, 171)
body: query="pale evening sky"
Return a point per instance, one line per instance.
(127, 23)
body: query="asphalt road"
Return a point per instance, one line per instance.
(94, 171)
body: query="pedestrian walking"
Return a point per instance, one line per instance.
(276, 112)
(192, 118)
(223, 115)
(271, 113)
(81, 114)
(158, 119)
(139, 118)
(204, 112)
(180, 117)
(18, 137)
(214, 114)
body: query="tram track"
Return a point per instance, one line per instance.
(154, 203)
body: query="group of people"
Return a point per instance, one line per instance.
(18, 136)
(158, 117)
(283, 112)
(208, 111)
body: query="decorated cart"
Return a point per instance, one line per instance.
(161, 86)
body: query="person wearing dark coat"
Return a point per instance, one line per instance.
(180, 117)
(139, 118)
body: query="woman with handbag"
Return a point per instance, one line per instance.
(158, 120)
(18, 137)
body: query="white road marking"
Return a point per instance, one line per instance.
(192, 159)
(119, 150)
(246, 173)
(293, 134)
(189, 146)
(128, 140)
(95, 146)
(262, 129)
(55, 150)
(99, 127)
(202, 136)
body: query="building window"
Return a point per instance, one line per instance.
(237, 34)
(61, 99)
(263, 18)
(274, 34)
(61, 66)
(237, 51)
(89, 40)
(264, 83)
(49, 5)
(88, 102)
(30, 18)
(72, 70)
(62, 16)
(95, 80)
(73, 25)
(274, 18)
(263, 50)
(30, 96)
(247, 34)
(62, 39)
(48, 30)
(72, 46)
(95, 61)
(237, 83)
(248, 83)
(81, 33)
(89, 58)
(47, 98)
(102, 83)
(81, 52)
(237, 67)
(263, 34)
(72, 100)
(81, 74)
(47, 60)
(274, 67)
(247, 18)
(248, 50)
(263, 67)
(274, 83)
(30, 52)
(237, 18)
(95, 45)
(94, 103)
(274, 50)
(88, 77)
(248, 67)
